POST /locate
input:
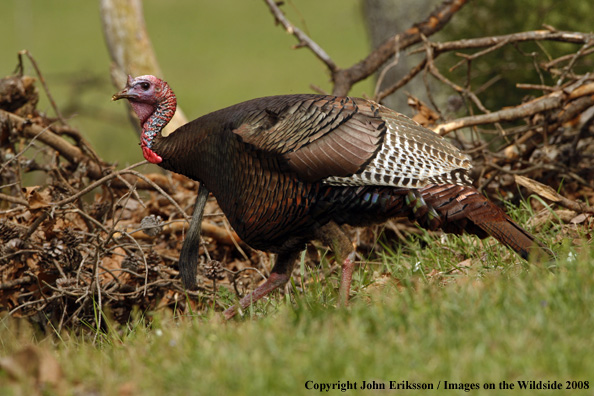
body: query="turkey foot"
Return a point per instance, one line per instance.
(280, 275)
(273, 282)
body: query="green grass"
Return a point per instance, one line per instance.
(499, 319)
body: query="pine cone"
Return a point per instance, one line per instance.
(153, 259)
(152, 225)
(213, 270)
(133, 263)
(9, 230)
(62, 252)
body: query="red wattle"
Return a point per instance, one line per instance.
(151, 156)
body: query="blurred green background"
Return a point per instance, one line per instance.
(217, 53)
(213, 53)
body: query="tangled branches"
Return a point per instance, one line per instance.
(90, 240)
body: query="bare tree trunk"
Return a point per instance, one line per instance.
(130, 47)
(386, 18)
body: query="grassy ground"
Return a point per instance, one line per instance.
(425, 317)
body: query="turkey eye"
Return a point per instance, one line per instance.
(145, 85)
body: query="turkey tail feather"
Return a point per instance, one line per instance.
(464, 208)
(506, 231)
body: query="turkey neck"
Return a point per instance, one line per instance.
(154, 124)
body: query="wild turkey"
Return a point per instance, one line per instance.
(292, 168)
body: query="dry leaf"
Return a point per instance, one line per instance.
(545, 216)
(579, 219)
(425, 116)
(461, 267)
(32, 362)
(127, 389)
(381, 281)
(36, 199)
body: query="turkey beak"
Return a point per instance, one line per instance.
(125, 93)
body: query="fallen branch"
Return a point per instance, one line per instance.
(16, 282)
(73, 154)
(219, 234)
(548, 193)
(554, 100)
(16, 200)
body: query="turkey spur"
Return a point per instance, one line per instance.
(289, 169)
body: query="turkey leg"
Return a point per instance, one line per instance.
(188, 257)
(280, 275)
(333, 236)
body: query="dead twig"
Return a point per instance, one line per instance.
(402, 82)
(16, 282)
(536, 35)
(304, 40)
(344, 79)
(41, 80)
